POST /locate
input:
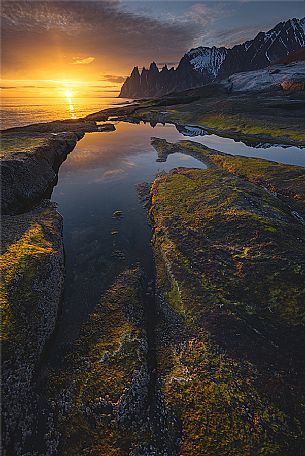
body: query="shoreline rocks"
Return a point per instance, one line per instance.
(31, 159)
(28, 175)
(32, 265)
(102, 389)
(230, 269)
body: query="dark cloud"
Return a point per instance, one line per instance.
(7, 87)
(65, 29)
(113, 78)
(238, 35)
(40, 39)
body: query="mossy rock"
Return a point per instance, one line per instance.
(230, 266)
(32, 265)
(103, 409)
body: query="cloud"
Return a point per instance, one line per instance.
(25, 87)
(202, 14)
(120, 34)
(119, 39)
(113, 78)
(238, 35)
(85, 61)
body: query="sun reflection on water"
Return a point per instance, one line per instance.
(69, 94)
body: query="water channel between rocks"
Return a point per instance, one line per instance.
(98, 178)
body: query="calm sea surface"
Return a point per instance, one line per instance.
(23, 111)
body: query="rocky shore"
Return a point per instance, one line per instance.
(210, 360)
(270, 111)
(100, 399)
(31, 158)
(230, 280)
(32, 267)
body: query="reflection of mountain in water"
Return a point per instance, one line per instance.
(187, 130)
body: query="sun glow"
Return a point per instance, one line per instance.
(68, 93)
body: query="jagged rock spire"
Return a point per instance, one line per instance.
(203, 65)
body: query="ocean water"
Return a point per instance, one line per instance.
(23, 111)
(16, 112)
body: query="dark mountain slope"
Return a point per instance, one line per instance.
(203, 65)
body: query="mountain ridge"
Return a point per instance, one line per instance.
(203, 65)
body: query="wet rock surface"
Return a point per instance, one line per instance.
(100, 399)
(60, 126)
(207, 360)
(32, 266)
(286, 182)
(31, 157)
(230, 277)
(29, 173)
(272, 115)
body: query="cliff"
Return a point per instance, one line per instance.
(203, 65)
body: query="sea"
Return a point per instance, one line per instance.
(16, 112)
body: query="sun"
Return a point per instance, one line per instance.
(68, 93)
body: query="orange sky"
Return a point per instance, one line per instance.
(57, 88)
(92, 45)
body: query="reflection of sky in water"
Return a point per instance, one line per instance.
(101, 148)
(100, 177)
(284, 154)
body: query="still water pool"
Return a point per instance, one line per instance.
(98, 178)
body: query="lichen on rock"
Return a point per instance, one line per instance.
(100, 398)
(230, 277)
(32, 267)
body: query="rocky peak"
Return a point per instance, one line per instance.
(153, 68)
(135, 72)
(203, 65)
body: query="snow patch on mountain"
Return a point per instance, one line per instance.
(207, 59)
(265, 79)
(204, 65)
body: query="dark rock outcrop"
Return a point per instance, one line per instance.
(32, 267)
(28, 173)
(295, 56)
(230, 276)
(203, 65)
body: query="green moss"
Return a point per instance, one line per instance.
(20, 143)
(232, 270)
(287, 181)
(21, 258)
(242, 125)
(174, 298)
(107, 359)
(218, 405)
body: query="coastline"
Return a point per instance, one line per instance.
(33, 168)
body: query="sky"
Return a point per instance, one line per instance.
(93, 45)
